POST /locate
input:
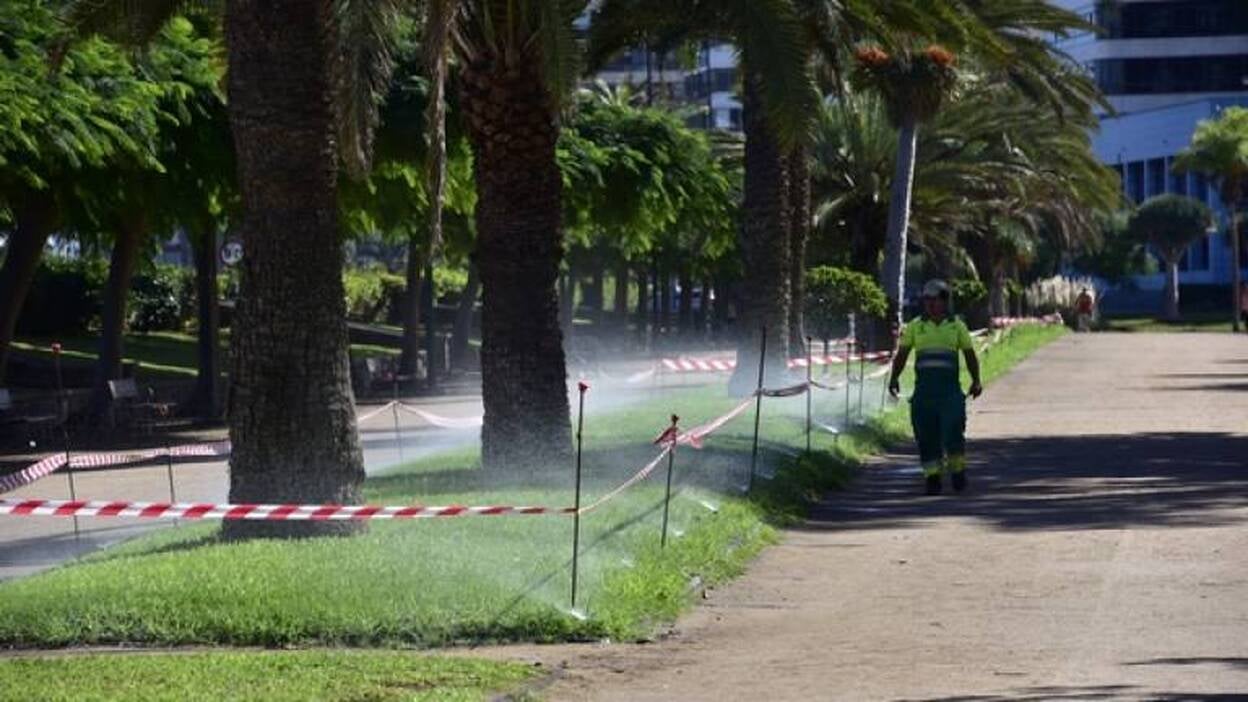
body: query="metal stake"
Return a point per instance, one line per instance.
(758, 406)
(394, 410)
(671, 460)
(576, 515)
(69, 468)
(173, 495)
(809, 390)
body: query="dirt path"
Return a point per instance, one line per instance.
(1101, 555)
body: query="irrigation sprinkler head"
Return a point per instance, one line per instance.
(709, 506)
(577, 614)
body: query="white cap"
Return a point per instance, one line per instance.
(936, 288)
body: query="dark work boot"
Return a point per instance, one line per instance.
(959, 481)
(933, 485)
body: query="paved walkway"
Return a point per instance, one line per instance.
(1102, 554)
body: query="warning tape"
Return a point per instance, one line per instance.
(187, 510)
(55, 462)
(441, 421)
(637, 477)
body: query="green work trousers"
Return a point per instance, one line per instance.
(938, 416)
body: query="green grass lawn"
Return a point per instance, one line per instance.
(157, 354)
(278, 676)
(480, 579)
(1192, 322)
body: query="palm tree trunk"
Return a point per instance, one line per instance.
(597, 288)
(642, 314)
(665, 298)
(292, 413)
(513, 129)
(1237, 282)
(1172, 289)
(113, 313)
(764, 248)
(799, 228)
(34, 220)
(685, 316)
(409, 356)
(893, 278)
(567, 303)
(463, 319)
(204, 399)
(620, 307)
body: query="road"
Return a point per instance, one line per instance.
(1099, 555)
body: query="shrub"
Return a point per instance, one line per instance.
(64, 297)
(371, 294)
(162, 300)
(834, 293)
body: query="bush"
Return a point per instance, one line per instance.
(967, 292)
(371, 294)
(64, 297)
(162, 300)
(834, 293)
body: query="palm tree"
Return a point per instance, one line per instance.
(779, 103)
(516, 64)
(913, 84)
(303, 80)
(1219, 149)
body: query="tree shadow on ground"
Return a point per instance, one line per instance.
(1063, 483)
(1084, 692)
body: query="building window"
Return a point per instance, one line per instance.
(1175, 74)
(1156, 176)
(1135, 182)
(1178, 183)
(1173, 18)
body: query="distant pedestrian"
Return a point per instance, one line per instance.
(938, 407)
(1085, 308)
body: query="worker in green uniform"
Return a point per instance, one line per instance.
(938, 407)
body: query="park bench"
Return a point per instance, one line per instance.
(129, 409)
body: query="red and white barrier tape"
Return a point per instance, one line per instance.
(186, 510)
(55, 462)
(637, 477)
(369, 415)
(791, 391)
(1007, 322)
(694, 436)
(444, 422)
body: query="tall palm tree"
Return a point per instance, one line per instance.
(779, 105)
(1006, 41)
(303, 80)
(913, 84)
(517, 61)
(1219, 149)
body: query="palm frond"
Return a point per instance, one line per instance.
(363, 65)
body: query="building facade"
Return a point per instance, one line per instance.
(1165, 65)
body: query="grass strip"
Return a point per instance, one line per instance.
(275, 676)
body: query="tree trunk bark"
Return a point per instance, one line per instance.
(643, 305)
(292, 413)
(893, 277)
(409, 358)
(1172, 289)
(594, 296)
(567, 303)
(113, 312)
(685, 315)
(764, 249)
(208, 318)
(665, 298)
(998, 299)
(799, 228)
(621, 295)
(513, 128)
(463, 319)
(34, 220)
